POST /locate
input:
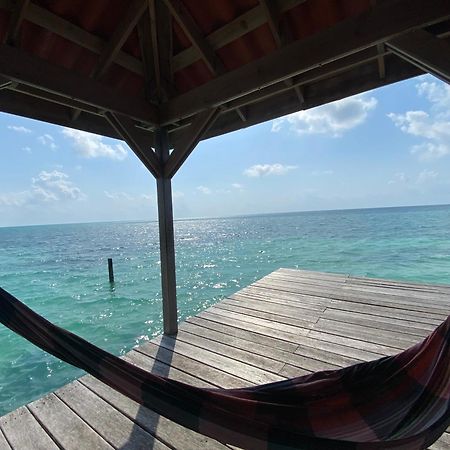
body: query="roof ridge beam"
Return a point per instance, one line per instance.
(381, 23)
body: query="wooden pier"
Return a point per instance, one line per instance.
(289, 323)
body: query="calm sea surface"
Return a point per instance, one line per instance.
(61, 272)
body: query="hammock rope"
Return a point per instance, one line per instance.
(396, 402)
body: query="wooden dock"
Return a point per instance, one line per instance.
(289, 323)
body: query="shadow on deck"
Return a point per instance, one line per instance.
(287, 324)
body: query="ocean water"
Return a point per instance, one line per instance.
(61, 272)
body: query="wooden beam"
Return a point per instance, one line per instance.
(325, 71)
(61, 27)
(15, 21)
(425, 51)
(116, 42)
(54, 98)
(148, 57)
(272, 19)
(323, 91)
(119, 37)
(383, 22)
(19, 66)
(191, 137)
(192, 31)
(143, 149)
(243, 24)
(19, 104)
(166, 238)
(381, 50)
(301, 96)
(161, 29)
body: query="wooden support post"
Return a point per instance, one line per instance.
(110, 270)
(166, 237)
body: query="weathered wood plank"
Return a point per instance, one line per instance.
(3, 442)
(67, 429)
(221, 347)
(288, 324)
(243, 309)
(219, 361)
(370, 321)
(258, 321)
(164, 429)
(279, 357)
(244, 334)
(191, 366)
(108, 422)
(23, 431)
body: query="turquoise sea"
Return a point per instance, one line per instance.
(61, 272)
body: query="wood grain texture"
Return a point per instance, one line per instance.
(289, 323)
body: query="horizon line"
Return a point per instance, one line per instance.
(234, 216)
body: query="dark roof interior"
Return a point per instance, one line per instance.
(220, 65)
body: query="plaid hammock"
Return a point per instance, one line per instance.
(396, 402)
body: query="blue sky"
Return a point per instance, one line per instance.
(387, 147)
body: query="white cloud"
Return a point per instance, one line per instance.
(237, 186)
(48, 140)
(46, 187)
(432, 126)
(55, 185)
(124, 196)
(426, 175)
(318, 173)
(26, 149)
(259, 170)
(333, 118)
(204, 190)
(89, 145)
(19, 129)
(429, 150)
(399, 178)
(177, 194)
(14, 198)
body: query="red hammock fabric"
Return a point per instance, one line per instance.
(396, 402)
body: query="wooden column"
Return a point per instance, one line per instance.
(166, 237)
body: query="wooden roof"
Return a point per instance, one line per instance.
(202, 69)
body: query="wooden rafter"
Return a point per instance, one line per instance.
(243, 24)
(148, 57)
(272, 19)
(114, 45)
(190, 28)
(22, 68)
(46, 19)
(425, 51)
(322, 91)
(192, 31)
(15, 21)
(380, 49)
(161, 36)
(143, 150)
(120, 35)
(191, 137)
(342, 39)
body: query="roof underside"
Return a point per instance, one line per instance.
(168, 62)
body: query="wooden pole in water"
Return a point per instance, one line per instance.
(110, 270)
